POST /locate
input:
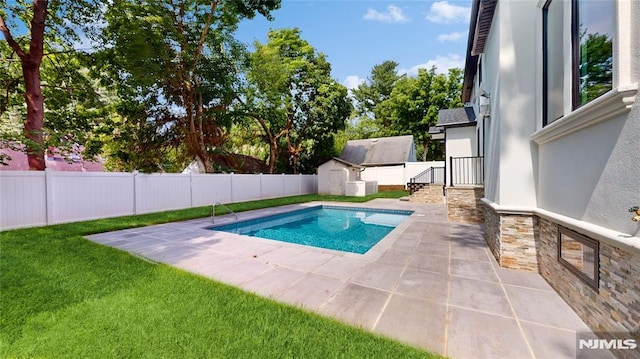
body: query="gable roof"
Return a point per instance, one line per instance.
(462, 116)
(379, 151)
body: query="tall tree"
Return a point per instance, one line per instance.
(45, 21)
(415, 102)
(292, 96)
(179, 57)
(378, 87)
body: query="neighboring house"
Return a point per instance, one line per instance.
(53, 161)
(345, 175)
(554, 85)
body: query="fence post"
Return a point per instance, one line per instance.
(48, 183)
(451, 171)
(191, 189)
(283, 188)
(261, 197)
(231, 185)
(300, 178)
(135, 194)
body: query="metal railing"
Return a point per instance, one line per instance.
(430, 175)
(213, 211)
(466, 170)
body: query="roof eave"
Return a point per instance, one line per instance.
(479, 25)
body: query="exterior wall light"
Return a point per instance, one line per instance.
(485, 104)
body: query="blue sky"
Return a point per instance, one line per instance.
(358, 34)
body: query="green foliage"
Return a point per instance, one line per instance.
(179, 65)
(295, 101)
(596, 66)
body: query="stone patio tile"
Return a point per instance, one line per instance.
(310, 292)
(406, 242)
(473, 335)
(356, 305)
(433, 248)
(140, 243)
(226, 245)
(394, 257)
(547, 342)
(473, 269)
(380, 276)
(242, 272)
(473, 253)
(209, 264)
(280, 255)
(340, 268)
(274, 281)
(430, 286)
(543, 307)
(257, 249)
(415, 322)
(429, 263)
(480, 295)
(306, 261)
(523, 279)
(169, 253)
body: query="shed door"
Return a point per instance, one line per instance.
(336, 183)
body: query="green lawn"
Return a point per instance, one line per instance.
(62, 296)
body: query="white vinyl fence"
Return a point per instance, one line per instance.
(397, 175)
(30, 199)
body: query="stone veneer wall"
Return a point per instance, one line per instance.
(615, 306)
(429, 193)
(511, 238)
(464, 204)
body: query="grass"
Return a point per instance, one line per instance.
(62, 296)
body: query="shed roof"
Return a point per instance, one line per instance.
(379, 151)
(457, 117)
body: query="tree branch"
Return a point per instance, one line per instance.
(10, 40)
(205, 31)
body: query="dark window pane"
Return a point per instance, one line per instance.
(554, 60)
(596, 21)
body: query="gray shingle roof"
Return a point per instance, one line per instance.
(379, 151)
(456, 116)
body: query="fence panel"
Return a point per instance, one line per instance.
(22, 199)
(271, 186)
(246, 188)
(90, 195)
(292, 185)
(309, 184)
(162, 191)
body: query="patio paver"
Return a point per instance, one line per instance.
(430, 283)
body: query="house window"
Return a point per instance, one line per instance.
(553, 59)
(593, 33)
(580, 255)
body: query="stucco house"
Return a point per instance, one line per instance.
(554, 88)
(343, 175)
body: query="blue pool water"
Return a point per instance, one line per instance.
(346, 229)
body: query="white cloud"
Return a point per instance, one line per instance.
(352, 82)
(454, 36)
(393, 15)
(442, 64)
(442, 12)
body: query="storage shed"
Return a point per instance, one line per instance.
(342, 175)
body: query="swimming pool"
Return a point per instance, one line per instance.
(346, 229)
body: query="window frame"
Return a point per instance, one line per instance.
(594, 281)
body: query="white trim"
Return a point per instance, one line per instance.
(613, 103)
(614, 238)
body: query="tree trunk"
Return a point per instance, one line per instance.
(425, 147)
(35, 115)
(30, 62)
(273, 152)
